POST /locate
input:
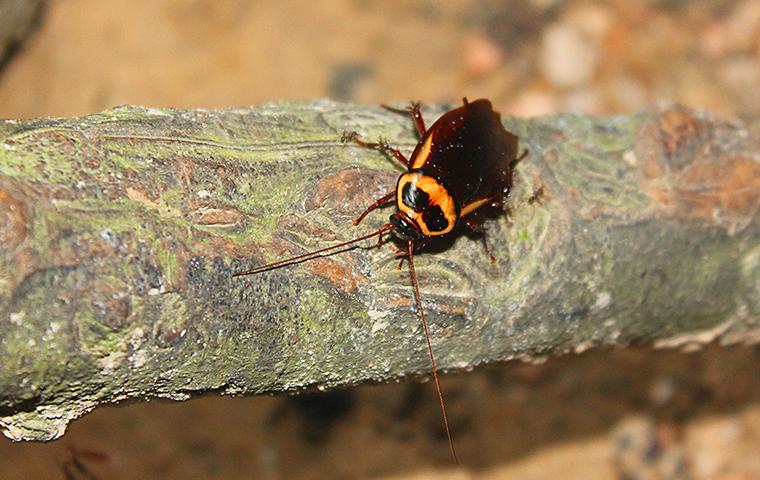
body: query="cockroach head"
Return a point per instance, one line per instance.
(405, 228)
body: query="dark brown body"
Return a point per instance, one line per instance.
(471, 154)
(461, 168)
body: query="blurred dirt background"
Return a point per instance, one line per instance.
(633, 414)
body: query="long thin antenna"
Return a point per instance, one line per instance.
(410, 249)
(310, 255)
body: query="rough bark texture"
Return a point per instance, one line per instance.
(119, 231)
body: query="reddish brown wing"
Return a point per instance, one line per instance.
(469, 152)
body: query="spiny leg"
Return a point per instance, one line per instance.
(474, 223)
(479, 229)
(487, 248)
(402, 254)
(379, 202)
(517, 160)
(381, 145)
(414, 111)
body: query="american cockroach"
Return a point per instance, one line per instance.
(459, 174)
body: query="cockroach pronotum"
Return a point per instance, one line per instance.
(459, 174)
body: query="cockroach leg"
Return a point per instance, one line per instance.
(488, 250)
(400, 254)
(379, 241)
(514, 162)
(380, 145)
(473, 223)
(377, 203)
(414, 112)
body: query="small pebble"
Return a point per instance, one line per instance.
(482, 56)
(568, 58)
(532, 103)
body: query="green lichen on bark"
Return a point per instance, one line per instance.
(119, 232)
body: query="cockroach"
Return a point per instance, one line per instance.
(459, 174)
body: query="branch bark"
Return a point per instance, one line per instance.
(119, 232)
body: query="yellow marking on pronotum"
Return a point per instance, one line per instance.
(424, 152)
(474, 206)
(437, 194)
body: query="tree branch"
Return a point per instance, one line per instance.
(119, 232)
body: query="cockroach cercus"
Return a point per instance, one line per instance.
(459, 173)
